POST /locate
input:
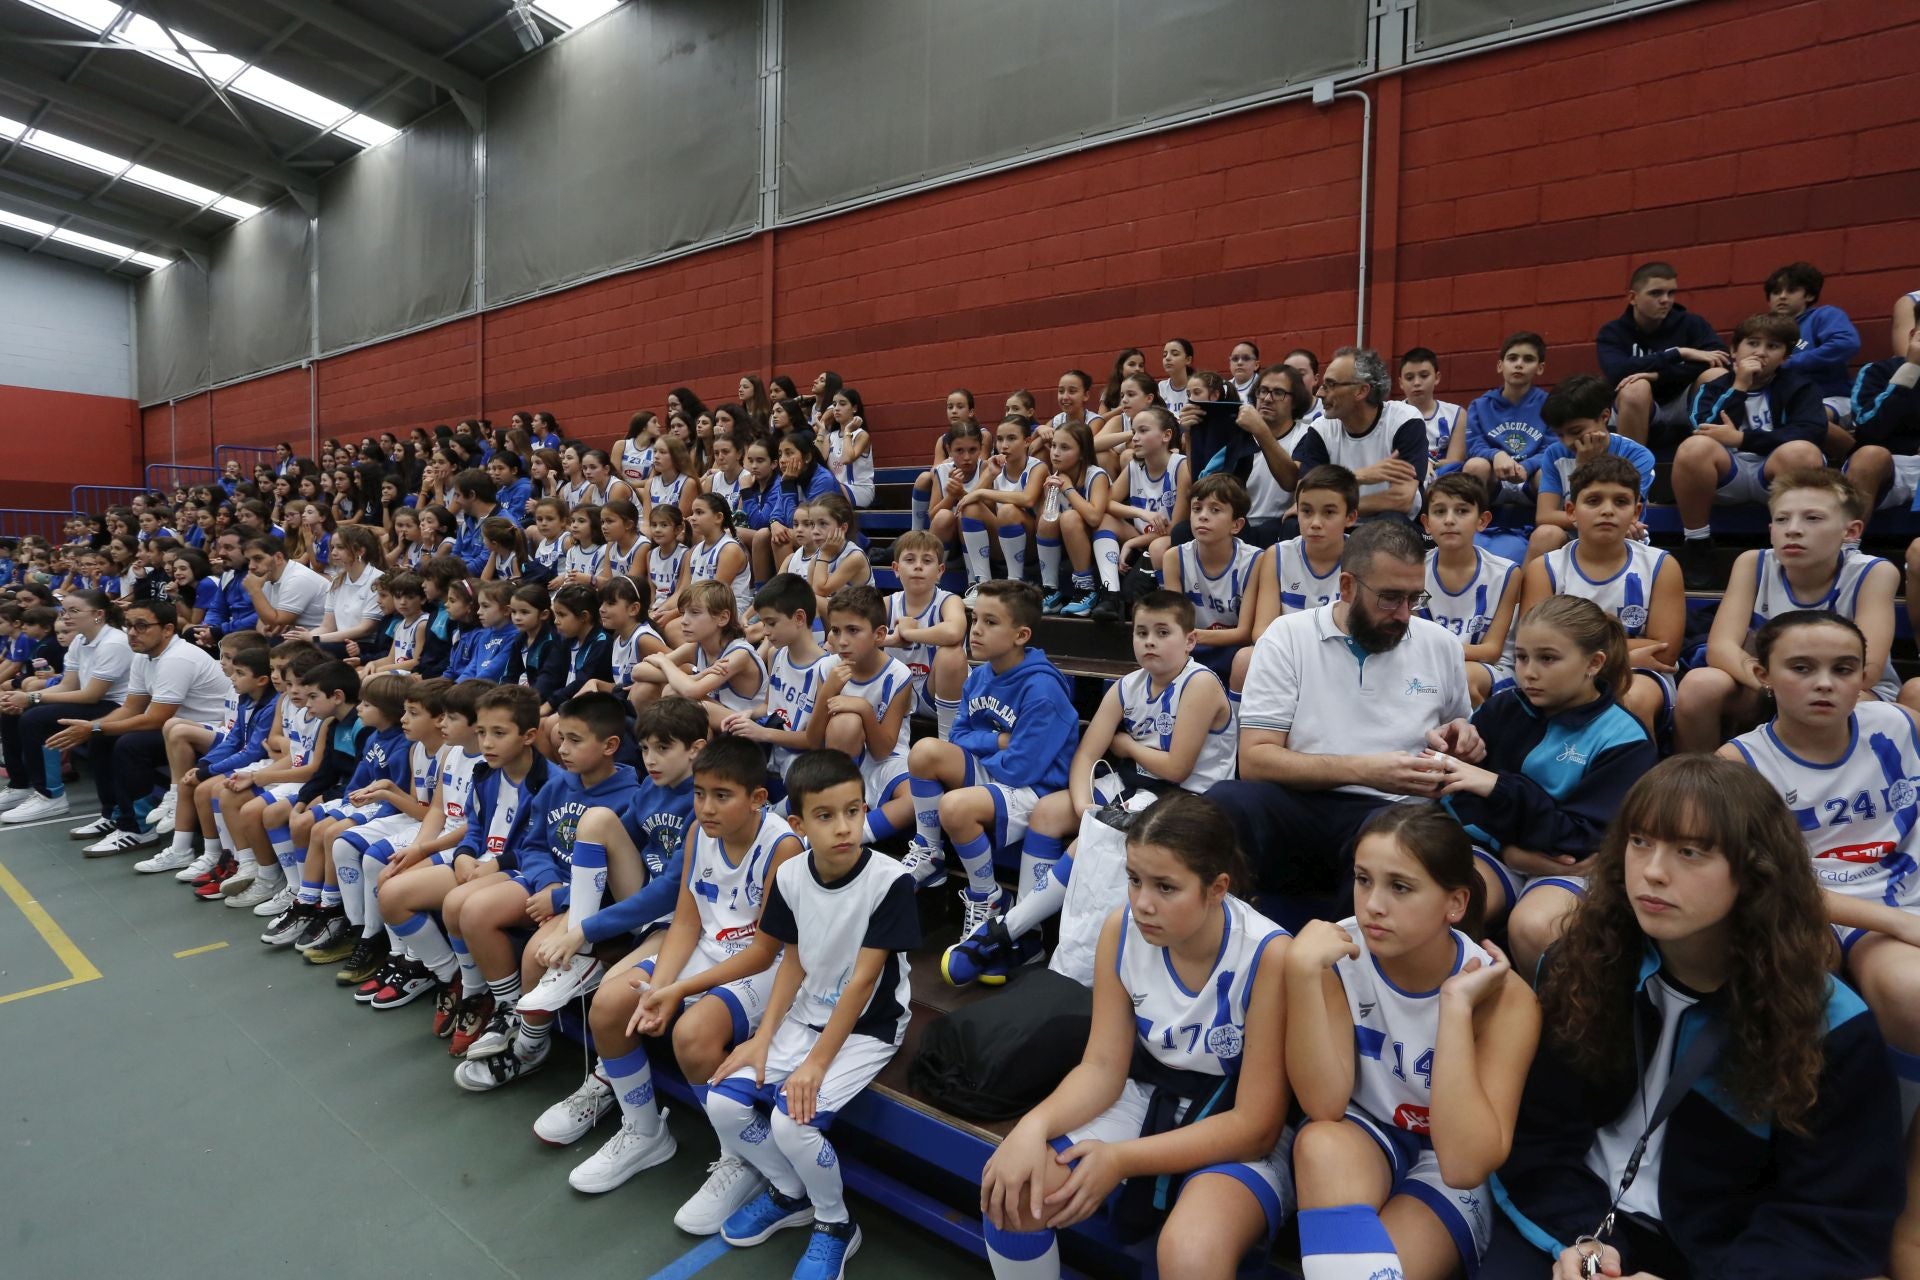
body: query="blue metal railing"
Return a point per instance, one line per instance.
(94, 499)
(248, 455)
(17, 522)
(163, 476)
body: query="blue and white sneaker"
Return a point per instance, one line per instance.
(989, 954)
(1081, 605)
(1056, 601)
(826, 1257)
(762, 1216)
(926, 864)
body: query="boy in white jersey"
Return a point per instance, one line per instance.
(1215, 572)
(409, 594)
(360, 853)
(1419, 379)
(927, 625)
(841, 920)
(1628, 578)
(257, 806)
(1303, 572)
(418, 877)
(240, 746)
(1170, 725)
(1470, 591)
(864, 703)
(797, 670)
(731, 854)
(1811, 564)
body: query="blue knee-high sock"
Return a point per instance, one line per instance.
(1022, 1255)
(879, 826)
(50, 770)
(1013, 548)
(1050, 553)
(976, 855)
(1106, 558)
(1346, 1242)
(921, 501)
(1037, 856)
(973, 534)
(926, 810)
(1906, 1069)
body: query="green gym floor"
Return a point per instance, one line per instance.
(178, 1097)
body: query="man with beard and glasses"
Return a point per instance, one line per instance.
(1347, 707)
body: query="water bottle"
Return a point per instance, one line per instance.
(1056, 498)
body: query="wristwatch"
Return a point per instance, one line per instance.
(97, 728)
(33, 699)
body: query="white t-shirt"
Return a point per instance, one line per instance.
(352, 601)
(1309, 681)
(108, 657)
(184, 676)
(1267, 499)
(299, 591)
(1613, 1145)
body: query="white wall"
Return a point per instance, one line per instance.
(64, 327)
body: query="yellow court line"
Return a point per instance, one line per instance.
(79, 968)
(198, 951)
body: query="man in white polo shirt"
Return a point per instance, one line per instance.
(169, 677)
(1342, 706)
(285, 593)
(1383, 442)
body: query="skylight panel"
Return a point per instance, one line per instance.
(366, 131)
(11, 128)
(192, 192)
(119, 166)
(21, 222)
(152, 260)
(78, 152)
(81, 240)
(235, 208)
(573, 13)
(95, 15)
(284, 95)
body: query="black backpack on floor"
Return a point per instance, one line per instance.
(999, 1058)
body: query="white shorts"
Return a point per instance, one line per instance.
(397, 829)
(357, 814)
(1501, 676)
(1012, 806)
(1663, 722)
(1467, 1215)
(1270, 1179)
(274, 793)
(1747, 483)
(745, 998)
(1841, 407)
(1515, 884)
(1906, 478)
(882, 776)
(860, 1059)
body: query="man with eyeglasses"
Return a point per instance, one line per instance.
(93, 684)
(1347, 707)
(1384, 443)
(169, 677)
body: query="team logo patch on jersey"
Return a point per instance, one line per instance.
(1901, 794)
(1571, 754)
(1411, 1118)
(1418, 688)
(1224, 1041)
(1633, 617)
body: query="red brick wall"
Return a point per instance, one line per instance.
(265, 411)
(1638, 139)
(77, 439)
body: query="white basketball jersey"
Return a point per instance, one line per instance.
(627, 652)
(859, 471)
(917, 657)
(729, 894)
(585, 560)
(1440, 428)
(1007, 482)
(791, 691)
(943, 476)
(662, 490)
(721, 487)
(550, 552)
(1857, 816)
(1469, 611)
(1155, 494)
(706, 564)
(406, 638)
(456, 785)
(1300, 587)
(725, 694)
(425, 767)
(619, 561)
(878, 692)
(1626, 595)
(663, 572)
(1202, 1030)
(301, 730)
(1394, 1032)
(1773, 596)
(1148, 718)
(584, 493)
(635, 462)
(1217, 601)
(506, 808)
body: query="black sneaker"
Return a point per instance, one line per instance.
(286, 927)
(368, 958)
(1699, 567)
(381, 976)
(1107, 608)
(319, 927)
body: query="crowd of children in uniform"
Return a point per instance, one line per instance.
(515, 723)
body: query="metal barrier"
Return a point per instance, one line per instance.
(248, 455)
(18, 522)
(94, 499)
(164, 476)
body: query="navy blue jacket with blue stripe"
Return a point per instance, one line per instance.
(1794, 402)
(1562, 777)
(1738, 1200)
(1885, 413)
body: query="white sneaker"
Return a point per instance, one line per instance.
(162, 815)
(14, 796)
(197, 868)
(972, 597)
(558, 988)
(257, 894)
(279, 902)
(118, 842)
(978, 910)
(93, 830)
(626, 1153)
(570, 1119)
(925, 863)
(168, 859)
(39, 806)
(730, 1184)
(240, 881)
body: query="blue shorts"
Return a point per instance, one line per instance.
(1467, 1215)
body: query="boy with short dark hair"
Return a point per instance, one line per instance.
(1303, 572)
(842, 919)
(1632, 580)
(1653, 353)
(1470, 591)
(242, 744)
(1505, 434)
(866, 696)
(1828, 342)
(927, 624)
(797, 669)
(1419, 379)
(1577, 412)
(1216, 572)
(1751, 424)
(330, 692)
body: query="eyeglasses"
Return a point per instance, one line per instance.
(1269, 393)
(1328, 384)
(1394, 601)
(136, 627)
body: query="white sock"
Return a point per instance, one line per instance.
(945, 711)
(471, 983)
(743, 1132)
(922, 499)
(973, 534)
(1050, 556)
(1022, 1255)
(1346, 1242)
(588, 883)
(243, 858)
(1013, 546)
(631, 1076)
(1039, 902)
(421, 936)
(926, 810)
(1106, 558)
(818, 1164)
(1697, 535)
(221, 832)
(370, 868)
(182, 841)
(271, 874)
(346, 860)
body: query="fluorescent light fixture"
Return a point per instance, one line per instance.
(103, 18)
(575, 13)
(125, 170)
(80, 240)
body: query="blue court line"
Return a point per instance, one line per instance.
(695, 1259)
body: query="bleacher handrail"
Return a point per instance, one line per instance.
(17, 522)
(221, 452)
(105, 495)
(180, 474)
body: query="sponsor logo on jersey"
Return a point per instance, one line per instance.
(1871, 851)
(1416, 688)
(736, 937)
(1411, 1118)
(1571, 754)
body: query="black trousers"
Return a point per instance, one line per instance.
(1299, 842)
(126, 769)
(23, 738)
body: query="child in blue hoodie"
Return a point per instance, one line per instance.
(586, 738)
(1506, 435)
(1828, 339)
(481, 653)
(1011, 745)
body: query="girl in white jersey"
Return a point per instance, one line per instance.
(575, 489)
(634, 458)
(1084, 489)
(714, 554)
(631, 638)
(1182, 1084)
(1150, 495)
(1003, 508)
(1849, 769)
(620, 529)
(731, 855)
(548, 538)
(728, 477)
(716, 666)
(586, 554)
(672, 485)
(1409, 1043)
(838, 560)
(664, 563)
(953, 477)
(849, 452)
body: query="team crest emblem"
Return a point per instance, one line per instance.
(349, 875)
(639, 1095)
(1477, 623)
(1224, 1041)
(755, 1133)
(826, 1159)
(600, 882)
(1633, 617)
(1901, 794)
